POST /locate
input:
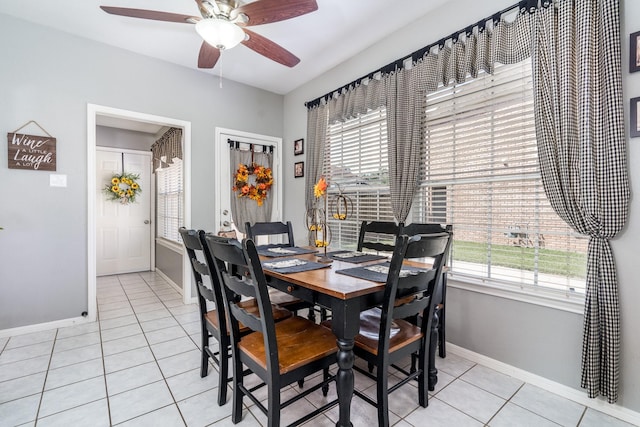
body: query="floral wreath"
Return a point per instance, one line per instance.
(245, 188)
(123, 188)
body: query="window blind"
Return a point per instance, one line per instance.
(169, 199)
(355, 164)
(480, 173)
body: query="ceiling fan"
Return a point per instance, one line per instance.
(223, 25)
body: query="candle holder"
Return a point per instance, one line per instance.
(317, 223)
(341, 206)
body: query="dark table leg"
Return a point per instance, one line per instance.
(344, 381)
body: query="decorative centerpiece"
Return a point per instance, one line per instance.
(341, 206)
(253, 181)
(319, 231)
(123, 188)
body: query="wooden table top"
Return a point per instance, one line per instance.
(329, 282)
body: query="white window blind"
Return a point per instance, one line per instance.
(480, 173)
(355, 163)
(169, 196)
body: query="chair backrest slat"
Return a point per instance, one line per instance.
(239, 286)
(200, 267)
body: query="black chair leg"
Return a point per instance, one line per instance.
(442, 351)
(223, 376)
(433, 372)
(325, 376)
(301, 383)
(382, 387)
(204, 363)
(238, 394)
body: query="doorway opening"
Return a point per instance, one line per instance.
(96, 114)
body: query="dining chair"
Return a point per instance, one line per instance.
(385, 336)
(278, 353)
(278, 297)
(270, 229)
(213, 322)
(379, 236)
(439, 320)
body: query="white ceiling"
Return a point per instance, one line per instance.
(322, 39)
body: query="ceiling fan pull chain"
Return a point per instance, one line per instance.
(221, 62)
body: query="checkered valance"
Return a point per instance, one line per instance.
(167, 147)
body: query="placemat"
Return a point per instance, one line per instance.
(354, 257)
(293, 265)
(377, 272)
(275, 251)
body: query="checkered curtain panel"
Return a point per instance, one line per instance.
(316, 137)
(168, 146)
(582, 152)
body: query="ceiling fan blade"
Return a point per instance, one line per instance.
(267, 11)
(271, 50)
(151, 14)
(208, 56)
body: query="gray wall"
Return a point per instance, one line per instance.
(170, 263)
(50, 76)
(541, 340)
(124, 138)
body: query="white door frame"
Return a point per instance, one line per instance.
(222, 150)
(93, 111)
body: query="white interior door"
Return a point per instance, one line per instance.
(123, 232)
(225, 170)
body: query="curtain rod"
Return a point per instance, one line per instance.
(398, 64)
(236, 145)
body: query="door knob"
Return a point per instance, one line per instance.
(146, 221)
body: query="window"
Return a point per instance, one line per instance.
(355, 164)
(169, 209)
(480, 173)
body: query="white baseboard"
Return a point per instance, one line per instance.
(578, 396)
(171, 283)
(44, 326)
(193, 300)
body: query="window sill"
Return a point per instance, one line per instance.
(569, 303)
(174, 246)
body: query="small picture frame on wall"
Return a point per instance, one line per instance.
(298, 169)
(635, 117)
(634, 52)
(298, 147)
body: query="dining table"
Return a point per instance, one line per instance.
(346, 296)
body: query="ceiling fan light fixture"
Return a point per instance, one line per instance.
(220, 33)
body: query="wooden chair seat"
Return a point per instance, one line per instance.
(299, 342)
(402, 333)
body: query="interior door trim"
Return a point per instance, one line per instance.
(94, 110)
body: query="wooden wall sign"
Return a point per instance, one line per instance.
(31, 152)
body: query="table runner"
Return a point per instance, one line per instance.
(354, 257)
(275, 251)
(292, 265)
(377, 272)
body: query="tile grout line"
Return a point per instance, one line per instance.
(46, 375)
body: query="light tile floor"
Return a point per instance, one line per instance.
(139, 366)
